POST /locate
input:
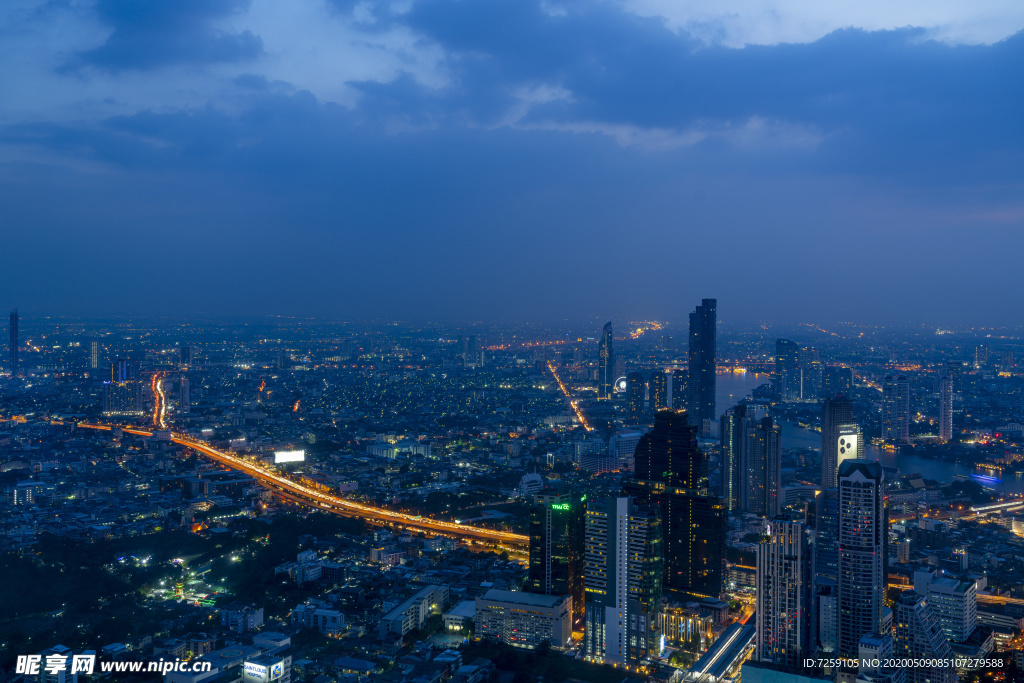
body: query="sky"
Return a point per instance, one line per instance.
(514, 159)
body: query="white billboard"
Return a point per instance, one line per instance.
(846, 448)
(289, 456)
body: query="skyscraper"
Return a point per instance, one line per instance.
(186, 354)
(836, 381)
(787, 370)
(658, 391)
(680, 390)
(946, 408)
(122, 393)
(840, 438)
(783, 595)
(733, 430)
(636, 390)
(606, 364)
(556, 547)
(761, 469)
(825, 560)
(671, 472)
(917, 634)
(863, 535)
(623, 560)
(896, 409)
(184, 396)
(94, 355)
(14, 343)
(702, 378)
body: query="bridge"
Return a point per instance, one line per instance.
(298, 493)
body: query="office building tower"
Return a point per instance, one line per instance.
(702, 378)
(657, 391)
(956, 604)
(836, 382)
(980, 357)
(786, 377)
(955, 371)
(122, 393)
(623, 559)
(671, 472)
(668, 343)
(15, 368)
(733, 430)
(680, 390)
(863, 536)
(918, 635)
(186, 354)
(184, 396)
(94, 355)
(783, 595)
(946, 409)
(470, 352)
(840, 438)
(810, 374)
(606, 364)
(636, 392)
(761, 469)
(823, 516)
(556, 547)
(896, 409)
(1008, 361)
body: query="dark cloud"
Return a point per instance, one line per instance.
(157, 33)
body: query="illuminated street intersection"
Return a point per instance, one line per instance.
(295, 492)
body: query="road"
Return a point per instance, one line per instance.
(341, 506)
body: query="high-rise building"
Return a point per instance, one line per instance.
(470, 352)
(917, 634)
(761, 469)
(863, 535)
(810, 374)
(946, 408)
(671, 472)
(14, 344)
(658, 391)
(184, 396)
(836, 382)
(825, 567)
(980, 357)
(668, 343)
(783, 595)
(186, 354)
(606, 364)
(122, 393)
(733, 429)
(787, 370)
(955, 602)
(680, 390)
(556, 547)
(702, 378)
(840, 438)
(896, 409)
(623, 560)
(636, 391)
(94, 355)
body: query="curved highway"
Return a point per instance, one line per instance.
(341, 506)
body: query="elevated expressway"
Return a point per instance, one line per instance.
(298, 493)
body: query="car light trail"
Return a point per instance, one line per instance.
(159, 402)
(574, 403)
(330, 503)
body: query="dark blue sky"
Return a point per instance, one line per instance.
(511, 158)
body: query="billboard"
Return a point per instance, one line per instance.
(846, 448)
(289, 456)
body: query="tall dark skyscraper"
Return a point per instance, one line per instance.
(623, 559)
(671, 472)
(556, 547)
(840, 438)
(658, 391)
(733, 425)
(703, 333)
(680, 390)
(761, 468)
(863, 529)
(825, 559)
(14, 343)
(786, 377)
(896, 409)
(636, 391)
(606, 364)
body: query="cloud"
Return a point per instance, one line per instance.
(159, 33)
